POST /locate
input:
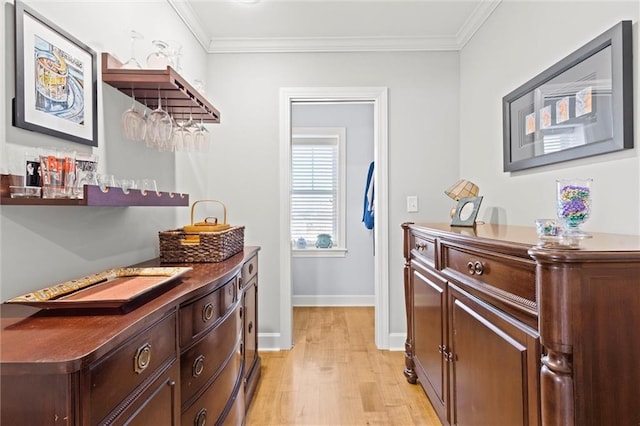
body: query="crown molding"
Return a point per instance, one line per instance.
(475, 21)
(189, 17)
(332, 44)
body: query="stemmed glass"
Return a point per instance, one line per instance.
(201, 138)
(133, 63)
(160, 125)
(134, 125)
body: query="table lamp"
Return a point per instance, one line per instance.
(460, 189)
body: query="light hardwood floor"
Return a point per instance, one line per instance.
(334, 375)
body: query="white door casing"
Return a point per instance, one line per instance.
(379, 97)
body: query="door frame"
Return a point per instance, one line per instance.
(379, 97)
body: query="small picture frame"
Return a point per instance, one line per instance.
(466, 211)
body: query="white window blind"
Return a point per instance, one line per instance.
(315, 189)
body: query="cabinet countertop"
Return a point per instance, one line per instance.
(526, 237)
(54, 342)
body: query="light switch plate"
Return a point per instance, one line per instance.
(412, 203)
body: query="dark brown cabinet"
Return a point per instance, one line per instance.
(429, 312)
(178, 359)
(504, 331)
(494, 365)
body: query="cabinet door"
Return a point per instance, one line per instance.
(495, 364)
(250, 332)
(251, 358)
(429, 311)
(158, 405)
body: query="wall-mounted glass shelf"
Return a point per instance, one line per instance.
(114, 197)
(177, 95)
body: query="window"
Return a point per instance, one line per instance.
(317, 185)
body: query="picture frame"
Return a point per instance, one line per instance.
(579, 107)
(466, 211)
(56, 80)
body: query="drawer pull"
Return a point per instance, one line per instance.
(475, 268)
(201, 418)
(250, 268)
(142, 359)
(207, 312)
(198, 366)
(471, 268)
(420, 246)
(250, 328)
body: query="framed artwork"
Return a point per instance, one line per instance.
(579, 107)
(466, 211)
(56, 80)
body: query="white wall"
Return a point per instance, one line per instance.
(41, 246)
(315, 278)
(423, 135)
(520, 40)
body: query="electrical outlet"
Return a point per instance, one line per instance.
(412, 203)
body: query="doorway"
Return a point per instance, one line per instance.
(378, 97)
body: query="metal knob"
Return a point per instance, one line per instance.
(207, 312)
(198, 366)
(470, 268)
(478, 267)
(201, 418)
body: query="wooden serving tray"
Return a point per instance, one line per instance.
(118, 289)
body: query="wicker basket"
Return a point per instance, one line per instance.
(210, 245)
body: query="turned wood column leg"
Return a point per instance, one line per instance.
(556, 389)
(409, 366)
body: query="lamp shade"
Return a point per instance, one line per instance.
(462, 188)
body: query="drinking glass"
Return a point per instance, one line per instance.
(134, 125)
(133, 63)
(127, 185)
(574, 205)
(160, 125)
(201, 138)
(158, 59)
(147, 185)
(106, 181)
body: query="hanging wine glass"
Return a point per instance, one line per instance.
(201, 138)
(133, 63)
(133, 122)
(160, 125)
(187, 135)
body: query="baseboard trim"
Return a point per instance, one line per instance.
(270, 342)
(347, 300)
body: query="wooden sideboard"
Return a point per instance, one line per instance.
(503, 331)
(188, 356)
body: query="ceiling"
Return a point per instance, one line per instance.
(232, 26)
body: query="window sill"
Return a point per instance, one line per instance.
(318, 252)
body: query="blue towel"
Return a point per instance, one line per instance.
(368, 215)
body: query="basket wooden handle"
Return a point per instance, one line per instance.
(224, 209)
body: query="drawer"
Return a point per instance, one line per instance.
(507, 278)
(423, 248)
(115, 376)
(208, 408)
(200, 315)
(249, 270)
(204, 360)
(228, 295)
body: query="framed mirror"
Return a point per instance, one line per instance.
(466, 211)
